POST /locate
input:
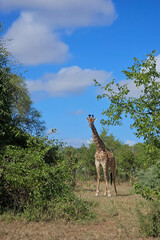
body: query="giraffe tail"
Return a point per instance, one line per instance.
(111, 178)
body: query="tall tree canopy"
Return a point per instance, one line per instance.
(144, 108)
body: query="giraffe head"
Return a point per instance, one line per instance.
(91, 119)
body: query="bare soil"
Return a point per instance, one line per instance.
(115, 219)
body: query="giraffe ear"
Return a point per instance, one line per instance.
(87, 119)
(95, 119)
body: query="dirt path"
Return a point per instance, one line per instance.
(116, 219)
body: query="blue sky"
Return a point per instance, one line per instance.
(65, 44)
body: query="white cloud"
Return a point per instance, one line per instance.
(134, 91)
(158, 63)
(77, 112)
(67, 13)
(71, 80)
(90, 141)
(34, 33)
(75, 142)
(34, 43)
(130, 142)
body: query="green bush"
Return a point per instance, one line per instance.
(148, 182)
(29, 185)
(148, 186)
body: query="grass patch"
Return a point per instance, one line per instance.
(112, 218)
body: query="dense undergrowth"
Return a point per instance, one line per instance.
(33, 187)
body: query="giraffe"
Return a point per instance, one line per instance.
(102, 157)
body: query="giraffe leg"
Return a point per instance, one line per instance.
(106, 179)
(98, 177)
(113, 176)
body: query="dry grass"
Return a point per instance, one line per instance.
(116, 219)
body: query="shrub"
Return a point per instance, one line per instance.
(29, 185)
(148, 185)
(148, 182)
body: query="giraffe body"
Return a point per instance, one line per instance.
(104, 158)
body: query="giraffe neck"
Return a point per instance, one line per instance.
(98, 141)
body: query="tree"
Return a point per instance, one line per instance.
(143, 109)
(110, 142)
(140, 156)
(85, 165)
(17, 114)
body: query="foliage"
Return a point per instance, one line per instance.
(141, 156)
(71, 157)
(111, 143)
(29, 185)
(86, 162)
(23, 173)
(144, 109)
(125, 162)
(148, 182)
